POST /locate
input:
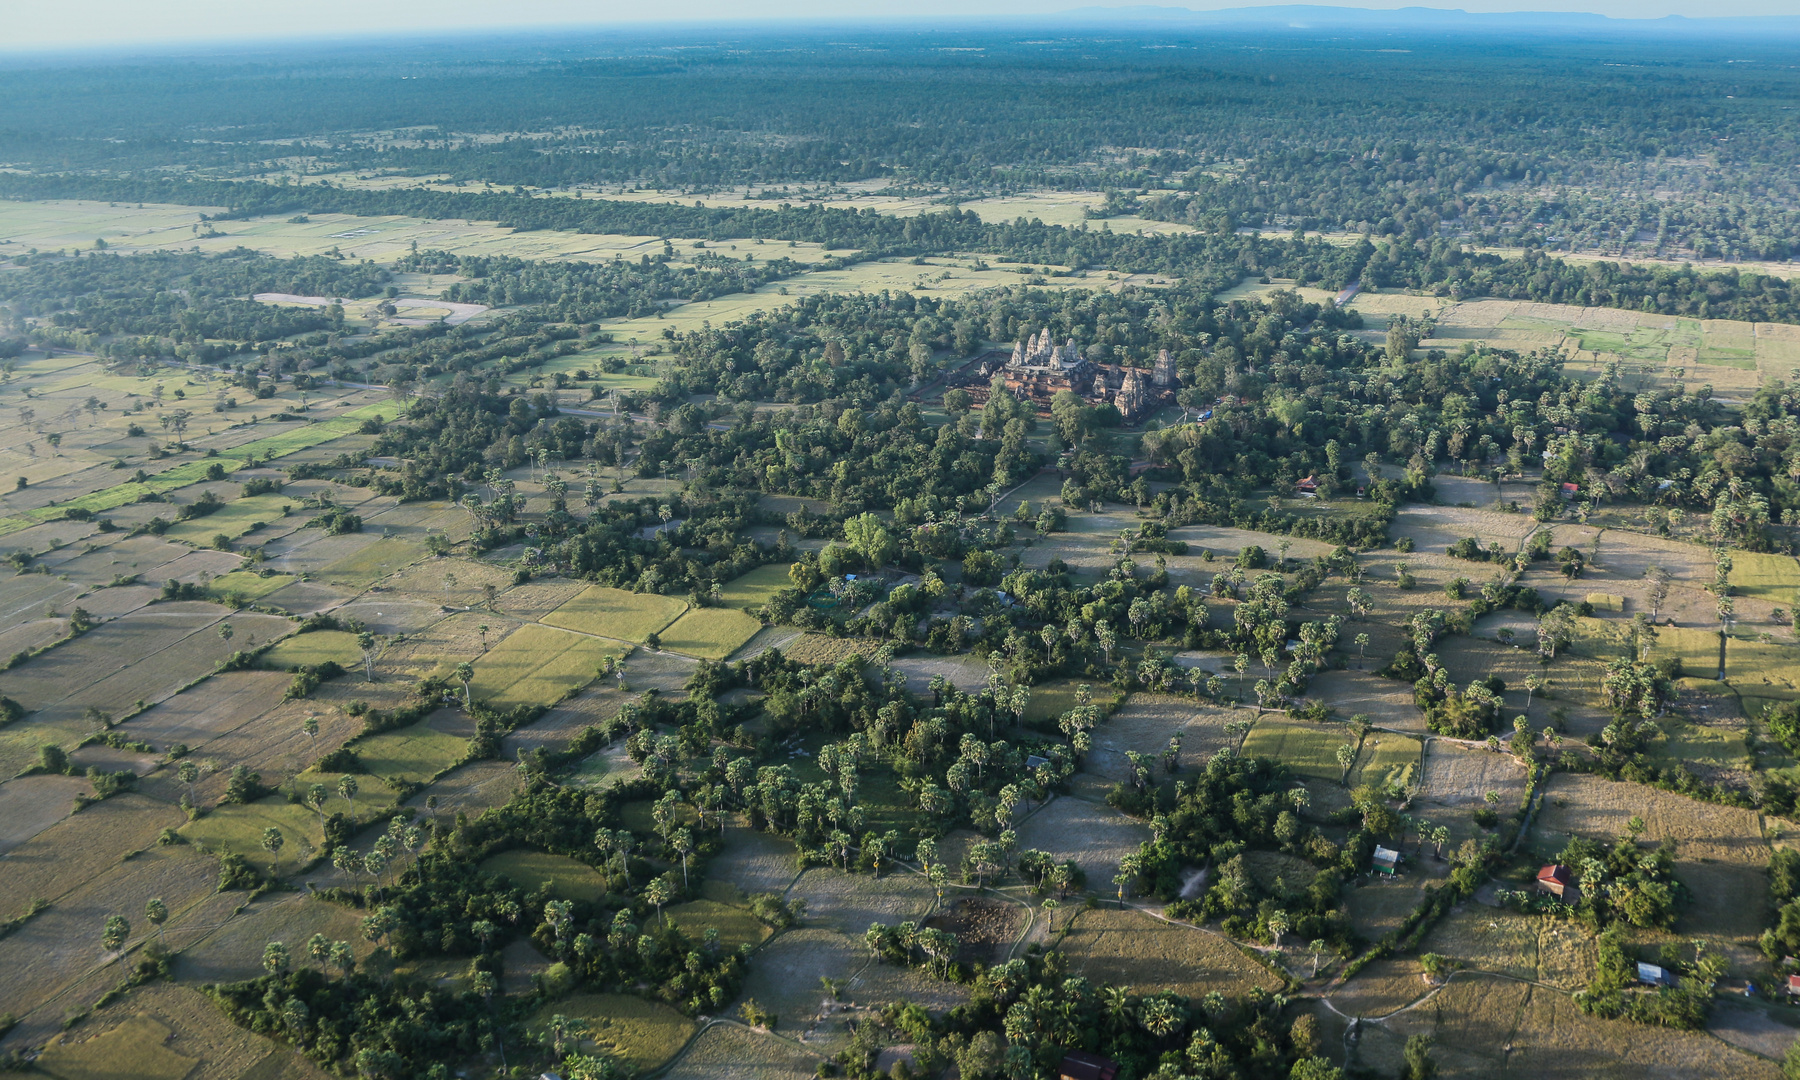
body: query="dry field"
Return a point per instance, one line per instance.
(785, 975)
(1456, 781)
(1558, 952)
(1131, 948)
(755, 862)
(234, 950)
(730, 1052)
(1146, 722)
(52, 961)
(1388, 703)
(1093, 835)
(31, 804)
(644, 1034)
(1720, 852)
(1484, 1026)
(850, 902)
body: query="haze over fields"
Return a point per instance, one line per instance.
(1014, 543)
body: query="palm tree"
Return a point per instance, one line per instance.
(272, 840)
(465, 674)
(276, 958)
(1278, 925)
(347, 789)
(319, 948)
(659, 892)
(1316, 947)
(157, 913)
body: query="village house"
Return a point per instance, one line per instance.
(1556, 880)
(1077, 1065)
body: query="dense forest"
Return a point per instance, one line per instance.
(1621, 145)
(1441, 266)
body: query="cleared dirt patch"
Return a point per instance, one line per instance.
(985, 928)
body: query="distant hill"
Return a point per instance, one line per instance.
(1438, 20)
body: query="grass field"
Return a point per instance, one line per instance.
(756, 588)
(642, 1034)
(819, 649)
(249, 586)
(413, 754)
(1096, 837)
(234, 519)
(615, 613)
(1555, 951)
(1698, 650)
(316, 647)
(1387, 758)
(136, 1049)
(1758, 669)
(710, 633)
(538, 665)
(374, 562)
(1306, 749)
(239, 828)
(736, 925)
(568, 879)
(1769, 577)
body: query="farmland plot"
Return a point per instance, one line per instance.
(1555, 951)
(79, 847)
(234, 951)
(1720, 851)
(710, 633)
(850, 902)
(31, 804)
(1386, 702)
(615, 613)
(221, 1049)
(729, 1052)
(643, 1034)
(538, 665)
(1146, 722)
(1133, 949)
(59, 949)
(785, 977)
(1485, 1026)
(755, 862)
(568, 879)
(1306, 749)
(1096, 837)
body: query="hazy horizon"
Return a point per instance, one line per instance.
(80, 25)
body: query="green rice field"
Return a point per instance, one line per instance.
(1387, 758)
(615, 613)
(234, 519)
(736, 926)
(316, 647)
(538, 665)
(248, 585)
(710, 633)
(414, 754)
(1769, 577)
(643, 1034)
(239, 828)
(567, 878)
(756, 588)
(1306, 749)
(374, 562)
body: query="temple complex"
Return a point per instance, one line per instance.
(1038, 369)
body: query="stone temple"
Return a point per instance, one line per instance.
(1038, 369)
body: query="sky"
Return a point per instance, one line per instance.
(61, 24)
